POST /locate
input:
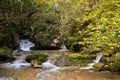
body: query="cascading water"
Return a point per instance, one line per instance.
(49, 68)
(63, 47)
(25, 45)
(90, 65)
(18, 63)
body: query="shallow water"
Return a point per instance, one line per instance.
(64, 73)
(19, 74)
(82, 75)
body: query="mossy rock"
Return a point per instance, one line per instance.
(104, 59)
(36, 63)
(99, 66)
(79, 59)
(36, 56)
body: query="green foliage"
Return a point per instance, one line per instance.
(36, 56)
(8, 37)
(79, 57)
(95, 28)
(5, 51)
(87, 26)
(115, 66)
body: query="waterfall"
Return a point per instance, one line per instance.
(18, 63)
(90, 65)
(63, 47)
(97, 58)
(49, 64)
(49, 68)
(25, 45)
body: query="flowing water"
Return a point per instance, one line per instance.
(48, 68)
(24, 45)
(18, 69)
(18, 63)
(53, 72)
(63, 47)
(21, 70)
(90, 65)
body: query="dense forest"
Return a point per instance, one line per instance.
(85, 26)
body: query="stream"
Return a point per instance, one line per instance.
(50, 71)
(21, 70)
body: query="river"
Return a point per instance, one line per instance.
(61, 73)
(21, 70)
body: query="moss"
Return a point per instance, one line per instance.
(79, 59)
(40, 57)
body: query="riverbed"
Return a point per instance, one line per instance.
(19, 74)
(64, 73)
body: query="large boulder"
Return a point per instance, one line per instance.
(36, 59)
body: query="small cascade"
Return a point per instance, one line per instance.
(63, 47)
(90, 65)
(25, 45)
(49, 68)
(18, 63)
(49, 64)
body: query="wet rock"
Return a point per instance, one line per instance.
(35, 64)
(99, 66)
(61, 61)
(104, 59)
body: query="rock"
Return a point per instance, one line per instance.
(99, 66)
(106, 67)
(35, 64)
(104, 59)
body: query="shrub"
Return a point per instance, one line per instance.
(115, 66)
(5, 51)
(6, 54)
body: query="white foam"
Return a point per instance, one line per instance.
(90, 65)
(25, 45)
(18, 63)
(63, 47)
